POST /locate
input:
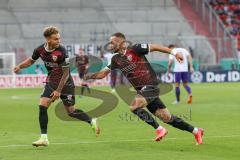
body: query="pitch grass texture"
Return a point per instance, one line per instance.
(216, 108)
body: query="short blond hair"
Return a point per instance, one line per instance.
(50, 30)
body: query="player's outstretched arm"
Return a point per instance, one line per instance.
(98, 75)
(160, 48)
(26, 63)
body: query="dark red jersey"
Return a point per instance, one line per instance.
(135, 66)
(54, 61)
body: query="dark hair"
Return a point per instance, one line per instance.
(119, 35)
(48, 31)
(171, 46)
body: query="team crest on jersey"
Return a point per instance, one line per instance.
(129, 57)
(54, 58)
(55, 55)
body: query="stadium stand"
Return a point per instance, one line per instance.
(83, 21)
(229, 12)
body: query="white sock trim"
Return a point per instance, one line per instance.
(44, 136)
(159, 128)
(195, 131)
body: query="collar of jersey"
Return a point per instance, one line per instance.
(124, 54)
(46, 46)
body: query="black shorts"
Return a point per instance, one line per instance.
(151, 94)
(155, 104)
(81, 74)
(67, 95)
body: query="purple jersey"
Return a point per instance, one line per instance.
(135, 66)
(54, 61)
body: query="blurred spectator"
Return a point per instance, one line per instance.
(82, 62)
(229, 12)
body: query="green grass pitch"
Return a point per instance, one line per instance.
(216, 108)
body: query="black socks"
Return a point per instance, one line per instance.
(180, 124)
(146, 117)
(43, 119)
(79, 114)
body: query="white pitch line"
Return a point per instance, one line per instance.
(118, 141)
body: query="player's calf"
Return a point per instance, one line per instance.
(177, 122)
(181, 124)
(146, 117)
(81, 115)
(43, 119)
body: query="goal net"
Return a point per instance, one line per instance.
(7, 62)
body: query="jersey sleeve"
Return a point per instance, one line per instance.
(187, 52)
(142, 49)
(175, 51)
(35, 55)
(112, 65)
(171, 57)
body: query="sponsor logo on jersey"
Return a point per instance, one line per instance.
(129, 57)
(51, 64)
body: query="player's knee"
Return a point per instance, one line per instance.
(163, 114)
(45, 102)
(185, 84)
(138, 103)
(70, 109)
(71, 114)
(166, 118)
(177, 84)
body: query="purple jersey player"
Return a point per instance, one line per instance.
(181, 72)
